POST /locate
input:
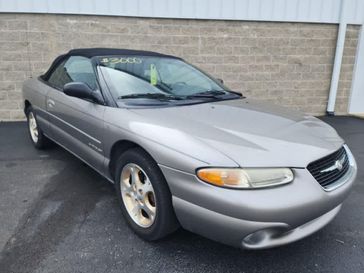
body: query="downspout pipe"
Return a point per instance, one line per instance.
(338, 59)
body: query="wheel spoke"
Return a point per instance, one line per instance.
(135, 176)
(146, 187)
(125, 178)
(149, 211)
(126, 189)
(135, 210)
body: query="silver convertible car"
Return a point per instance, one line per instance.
(184, 150)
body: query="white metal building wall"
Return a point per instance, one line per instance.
(340, 12)
(316, 11)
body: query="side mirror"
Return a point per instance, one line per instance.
(82, 91)
(220, 81)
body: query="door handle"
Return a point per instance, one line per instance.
(50, 103)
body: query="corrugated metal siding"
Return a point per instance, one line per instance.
(320, 11)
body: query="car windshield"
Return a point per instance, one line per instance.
(159, 78)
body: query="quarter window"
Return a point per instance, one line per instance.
(74, 69)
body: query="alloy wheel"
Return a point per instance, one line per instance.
(33, 127)
(138, 195)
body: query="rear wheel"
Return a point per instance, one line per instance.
(145, 199)
(39, 140)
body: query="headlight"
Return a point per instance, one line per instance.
(246, 178)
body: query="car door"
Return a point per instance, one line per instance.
(77, 124)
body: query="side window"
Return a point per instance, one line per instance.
(59, 78)
(74, 69)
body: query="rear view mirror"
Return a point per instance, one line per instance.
(220, 81)
(82, 91)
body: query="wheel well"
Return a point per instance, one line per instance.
(117, 149)
(26, 105)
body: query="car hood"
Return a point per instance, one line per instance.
(251, 133)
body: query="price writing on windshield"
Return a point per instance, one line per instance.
(121, 60)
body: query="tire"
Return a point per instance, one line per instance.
(143, 223)
(39, 140)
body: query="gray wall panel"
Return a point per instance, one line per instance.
(320, 11)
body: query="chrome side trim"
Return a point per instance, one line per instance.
(73, 127)
(349, 174)
(94, 147)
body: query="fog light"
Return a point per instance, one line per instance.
(263, 236)
(257, 237)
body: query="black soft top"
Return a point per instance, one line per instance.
(93, 52)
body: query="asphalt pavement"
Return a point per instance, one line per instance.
(58, 215)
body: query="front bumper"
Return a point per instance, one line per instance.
(255, 219)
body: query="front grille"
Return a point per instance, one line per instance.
(331, 168)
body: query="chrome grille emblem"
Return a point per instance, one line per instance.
(338, 165)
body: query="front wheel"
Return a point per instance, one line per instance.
(145, 199)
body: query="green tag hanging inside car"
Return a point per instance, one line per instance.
(153, 75)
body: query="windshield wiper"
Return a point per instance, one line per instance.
(157, 96)
(164, 86)
(214, 94)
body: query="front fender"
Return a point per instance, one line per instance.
(168, 146)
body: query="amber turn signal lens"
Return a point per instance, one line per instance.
(246, 178)
(211, 176)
